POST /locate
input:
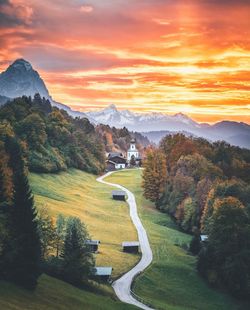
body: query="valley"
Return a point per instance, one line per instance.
(171, 282)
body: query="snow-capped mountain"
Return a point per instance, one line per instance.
(142, 121)
(156, 125)
(21, 79)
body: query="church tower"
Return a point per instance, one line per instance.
(132, 150)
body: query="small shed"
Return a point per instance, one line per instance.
(131, 246)
(103, 273)
(204, 238)
(93, 245)
(119, 195)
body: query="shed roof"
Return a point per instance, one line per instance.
(130, 243)
(113, 154)
(93, 242)
(204, 237)
(118, 193)
(103, 271)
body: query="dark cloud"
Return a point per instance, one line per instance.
(12, 15)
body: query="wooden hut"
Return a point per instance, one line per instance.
(119, 195)
(103, 273)
(93, 245)
(131, 246)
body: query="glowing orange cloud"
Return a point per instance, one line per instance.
(154, 55)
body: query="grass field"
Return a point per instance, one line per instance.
(76, 193)
(171, 282)
(52, 294)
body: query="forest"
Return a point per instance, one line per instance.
(205, 187)
(51, 140)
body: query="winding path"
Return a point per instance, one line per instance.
(122, 286)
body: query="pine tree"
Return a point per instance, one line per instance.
(60, 233)
(78, 260)
(24, 247)
(132, 161)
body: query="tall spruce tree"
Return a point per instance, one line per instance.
(78, 260)
(24, 246)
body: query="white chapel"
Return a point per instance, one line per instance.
(132, 151)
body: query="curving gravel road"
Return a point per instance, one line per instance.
(122, 286)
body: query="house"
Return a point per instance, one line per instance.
(103, 273)
(131, 246)
(119, 195)
(115, 162)
(93, 245)
(204, 238)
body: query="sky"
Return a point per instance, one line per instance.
(170, 56)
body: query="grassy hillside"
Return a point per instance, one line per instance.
(171, 282)
(53, 294)
(76, 193)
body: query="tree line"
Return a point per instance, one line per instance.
(52, 140)
(205, 187)
(30, 242)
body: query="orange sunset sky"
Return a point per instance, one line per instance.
(190, 56)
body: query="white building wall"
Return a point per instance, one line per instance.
(120, 166)
(131, 153)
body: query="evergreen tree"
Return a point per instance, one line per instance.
(228, 251)
(132, 161)
(24, 253)
(47, 233)
(78, 260)
(60, 233)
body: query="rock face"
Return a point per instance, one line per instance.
(21, 79)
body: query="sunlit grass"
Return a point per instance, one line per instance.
(171, 282)
(76, 193)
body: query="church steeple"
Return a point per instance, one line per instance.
(132, 151)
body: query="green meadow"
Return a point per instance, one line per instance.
(77, 193)
(171, 282)
(52, 294)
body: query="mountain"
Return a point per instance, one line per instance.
(156, 125)
(21, 79)
(3, 100)
(142, 121)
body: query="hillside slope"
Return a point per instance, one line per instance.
(171, 282)
(76, 193)
(53, 294)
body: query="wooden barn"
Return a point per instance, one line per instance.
(93, 245)
(103, 273)
(119, 195)
(116, 163)
(131, 246)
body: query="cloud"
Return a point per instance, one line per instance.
(14, 14)
(164, 55)
(86, 8)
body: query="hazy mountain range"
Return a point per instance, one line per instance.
(21, 79)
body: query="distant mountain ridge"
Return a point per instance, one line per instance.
(157, 125)
(21, 79)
